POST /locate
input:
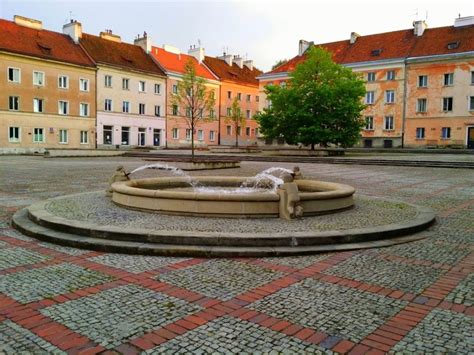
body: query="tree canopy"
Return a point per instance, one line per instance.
(236, 118)
(321, 104)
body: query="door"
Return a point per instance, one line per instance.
(470, 137)
(141, 136)
(156, 137)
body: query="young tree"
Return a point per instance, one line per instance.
(321, 104)
(278, 63)
(236, 118)
(195, 98)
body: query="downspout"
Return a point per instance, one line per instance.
(166, 112)
(219, 117)
(405, 77)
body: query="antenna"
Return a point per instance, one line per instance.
(199, 42)
(71, 17)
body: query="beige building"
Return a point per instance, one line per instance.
(47, 90)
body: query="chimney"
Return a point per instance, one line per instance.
(144, 42)
(226, 58)
(464, 21)
(108, 35)
(354, 36)
(74, 30)
(303, 46)
(28, 22)
(249, 64)
(239, 61)
(197, 52)
(419, 27)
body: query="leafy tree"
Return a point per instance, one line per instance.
(280, 62)
(321, 104)
(236, 118)
(195, 98)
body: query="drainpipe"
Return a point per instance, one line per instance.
(405, 76)
(219, 116)
(166, 113)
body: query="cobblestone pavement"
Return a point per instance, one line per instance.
(410, 298)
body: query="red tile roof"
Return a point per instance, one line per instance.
(41, 44)
(120, 54)
(233, 73)
(175, 63)
(393, 45)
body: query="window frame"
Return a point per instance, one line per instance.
(82, 135)
(157, 92)
(175, 110)
(188, 134)
(200, 135)
(127, 105)
(420, 133)
(42, 135)
(42, 105)
(44, 78)
(371, 94)
(450, 81)
(369, 127)
(212, 137)
(81, 105)
(423, 109)
(111, 105)
(175, 133)
(60, 77)
(424, 81)
(389, 97)
(107, 81)
(64, 132)
(59, 107)
(19, 75)
(18, 129)
(444, 136)
(470, 103)
(125, 80)
(10, 103)
(140, 84)
(449, 99)
(84, 80)
(390, 75)
(371, 76)
(140, 107)
(390, 119)
(159, 110)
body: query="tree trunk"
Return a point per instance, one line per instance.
(236, 136)
(312, 146)
(192, 139)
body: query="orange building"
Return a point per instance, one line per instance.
(238, 80)
(391, 64)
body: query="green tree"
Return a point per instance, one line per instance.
(279, 62)
(236, 118)
(197, 100)
(321, 104)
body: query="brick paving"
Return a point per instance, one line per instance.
(410, 298)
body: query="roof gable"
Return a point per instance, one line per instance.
(233, 73)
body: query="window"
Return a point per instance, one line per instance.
(389, 96)
(13, 103)
(200, 135)
(447, 104)
(371, 76)
(188, 134)
(175, 110)
(423, 81)
(108, 105)
(211, 136)
(471, 103)
(229, 94)
(125, 136)
(175, 89)
(249, 97)
(256, 132)
(248, 115)
(14, 75)
(125, 84)
(420, 133)
(229, 130)
(38, 135)
(38, 78)
(14, 134)
(448, 79)
(157, 88)
(201, 113)
(125, 106)
(63, 136)
(283, 84)
(247, 131)
(108, 81)
(63, 82)
(257, 98)
(188, 112)
(239, 131)
(157, 110)
(84, 84)
(391, 75)
(83, 109)
(388, 123)
(84, 138)
(453, 45)
(229, 112)
(212, 113)
(472, 78)
(175, 133)
(107, 135)
(141, 86)
(369, 97)
(421, 105)
(446, 133)
(63, 107)
(38, 105)
(239, 96)
(369, 123)
(141, 109)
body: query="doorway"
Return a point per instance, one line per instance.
(470, 137)
(141, 137)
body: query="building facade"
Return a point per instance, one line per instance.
(47, 90)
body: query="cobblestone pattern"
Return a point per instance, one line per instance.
(351, 314)
(297, 262)
(440, 332)
(223, 279)
(17, 340)
(10, 258)
(392, 274)
(135, 264)
(228, 335)
(49, 281)
(65, 250)
(464, 292)
(119, 313)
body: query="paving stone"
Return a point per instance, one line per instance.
(14, 257)
(63, 249)
(113, 316)
(11, 233)
(333, 309)
(135, 263)
(228, 335)
(218, 278)
(297, 262)
(463, 293)
(50, 281)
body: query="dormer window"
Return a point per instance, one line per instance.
(453, 45)
(375, 52)
(44, 48)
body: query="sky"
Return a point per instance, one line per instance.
(262, 30)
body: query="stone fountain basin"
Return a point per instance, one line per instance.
(157, 195)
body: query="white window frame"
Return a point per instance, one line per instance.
(424, 81)
(249, 97)
(248, 114)
(371, 77)
(83, 81)
(370, 95)
(229, 130)
(419, 107)
(140, 111)
(44, 78)
(420, 133)
(470, 103)
(443, 130)
(42, 134)
(390, 75)
(175, 110)
(174, 89)
(450, 77)
(111, 105)
(125, 87)
(452, 104)
(63, 133)
(141, 86)
(81, 105)
(19, 75)
(391, 120)
(107, 81)
(81, 137)
(34, 105)
(211, 136)
(61, 112)
(229, 112)
(247, 131)
(157, 86)
(127, 105)
(158, 108)
(63, 79)
(188, 134)
(14, 140)
(389, 96)
(369, 127)
(200, 135)
(18, 104)
(175, 133)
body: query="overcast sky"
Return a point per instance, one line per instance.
(264, 31)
